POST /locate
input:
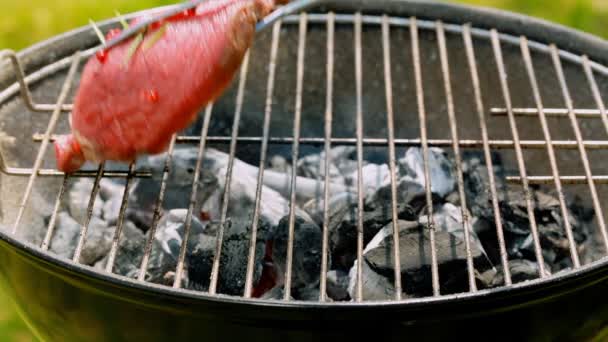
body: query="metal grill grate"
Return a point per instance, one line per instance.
(357, 22)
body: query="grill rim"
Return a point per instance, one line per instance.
(503, 21)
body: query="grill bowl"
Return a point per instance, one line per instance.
(64, 300)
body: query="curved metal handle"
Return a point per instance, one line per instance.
(290, 8)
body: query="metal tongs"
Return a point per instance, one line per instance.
(290, 8)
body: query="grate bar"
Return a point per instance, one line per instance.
(85, 226)
(295, 151)
(551, 153)
(157, 212)
(602, 109)
(328, 132)
(177, 282)
(359, 123)
(391, 152)
(53, 220)
(466, 224)
(45, 142)
(470, 52)
(318, 141)
(569, 180)
(579, 139)
(121, 219)
(554, 112)
(272, 64)
(22, 81)
(425, 152)
(518, 152)
(226, 196)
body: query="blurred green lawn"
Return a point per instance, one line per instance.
(23, 23)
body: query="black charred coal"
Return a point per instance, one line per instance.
(520, 269)
(377, 212)
(233, 261)
(306, 262)
(130, 251)
(515, 220)
(374, 286)
(337, 285)
(167, 242)
(415, 258)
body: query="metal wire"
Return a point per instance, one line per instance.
(472, 62)
(518, 151)
(295, 152)
(391, 152)
(327, 141)
(425, 152)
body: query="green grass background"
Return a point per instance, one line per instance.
(24, 22)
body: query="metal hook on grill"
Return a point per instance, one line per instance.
(291, 8)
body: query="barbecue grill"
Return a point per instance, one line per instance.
(377, 75)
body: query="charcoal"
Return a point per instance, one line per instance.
(374, 285)
(415, 258)
(111, 209)
(109, 189)
(279, 164)
(78, 200)
(337, 285)
(168, 241)
(477, 185)
(448, 218)
(306, 262)
(550, 224)
(411, 166)
(308, 293)
(130, 251)
(65, 236)
(377, 212)
(179, 184)
(276, 293)
(67, 232)
(233, 261)
(374, 176)
(521, 270)
(341, 164)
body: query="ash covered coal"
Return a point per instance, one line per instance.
(377, 264)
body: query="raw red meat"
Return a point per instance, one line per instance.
(125, 107)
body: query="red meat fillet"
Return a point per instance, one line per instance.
(131, 104)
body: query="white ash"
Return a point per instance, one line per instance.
(441, 169)
(167, 243)
(97, 244)
(78, 200)
(373, 287)
(130, 251)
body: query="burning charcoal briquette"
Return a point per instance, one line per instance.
(67, 232)
(78, 200)
(179, 184)
(130, 251)
(521, 270)
(337, 285)
(415, 258)
(440, 167)
(374, 286)
(377, 212)
(234, 256)
(306, 265)
(167, 243)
